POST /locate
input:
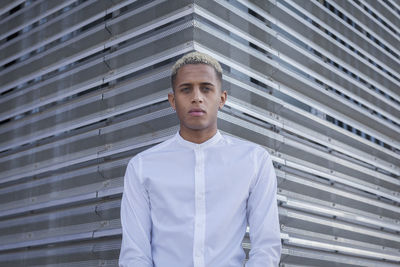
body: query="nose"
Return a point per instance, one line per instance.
(197, 96)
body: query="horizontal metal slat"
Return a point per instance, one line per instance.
(275, 141)
(84, 253)
(306, 148)
(256, 38)
(87, 220)
(312, 257)
(313, 186)
(85, 85)
(377, 10)
(370, 22)
(71, 52)
(7, 5)
(11, 109)
(317, 206)
(318, 224)
(150, 16)
(261, 61)
(84, 212)
(333, 130)
(361, 97)
(47, 32)
(81, 112)
(292, 80)
(375, 16)
(80, 148)
(69, 188)
(67, 106)
(54, 42)
(324, 157)
(337, 51)
(80, 263)
(77, 80)
(141, 102)
(348, 141)
(107, 7)
(333, 176)
(37, 11)
(386, 11)
(310, 235)
(360, 252)
(311, 11)
(78, 194)
(340, 177)
(137, 62)
(379, 35)
(297, 128)
(367, 45)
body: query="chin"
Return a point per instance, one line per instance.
(197, 127)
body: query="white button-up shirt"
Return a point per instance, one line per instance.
(187, 204)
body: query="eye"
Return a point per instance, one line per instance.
(184, 89)
(206, 89)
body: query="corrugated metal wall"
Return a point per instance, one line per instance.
(84, 87)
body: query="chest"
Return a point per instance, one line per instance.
(174, 179)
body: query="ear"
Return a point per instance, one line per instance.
(171, 100)
(223, 97)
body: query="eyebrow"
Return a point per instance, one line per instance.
(189, 84)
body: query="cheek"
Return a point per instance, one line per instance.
(218, 103)
(179, 106)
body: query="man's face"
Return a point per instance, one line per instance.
(197, 97)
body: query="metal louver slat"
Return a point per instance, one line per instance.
(318, 68)
(282, 87)
(386, 12)
(38, 11)
(387, 40)
(8, 5)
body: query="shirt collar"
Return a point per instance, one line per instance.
(213, 140)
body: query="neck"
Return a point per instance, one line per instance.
(197, 136)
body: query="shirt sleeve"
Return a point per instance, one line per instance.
(262, 216)
(135, 220)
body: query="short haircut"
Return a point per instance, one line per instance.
(196, 58)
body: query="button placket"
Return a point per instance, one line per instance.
(199, 231)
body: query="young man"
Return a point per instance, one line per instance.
(188, 200)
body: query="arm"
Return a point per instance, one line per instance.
(135, 220)
(262, 216)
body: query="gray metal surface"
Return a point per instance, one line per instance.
(84, 88)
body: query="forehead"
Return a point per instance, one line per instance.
(196, 73)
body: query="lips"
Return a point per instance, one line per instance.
(196, 112)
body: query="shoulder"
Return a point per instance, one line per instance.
(151, 152)
(245, 145)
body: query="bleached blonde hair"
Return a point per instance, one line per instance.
(196, 58)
